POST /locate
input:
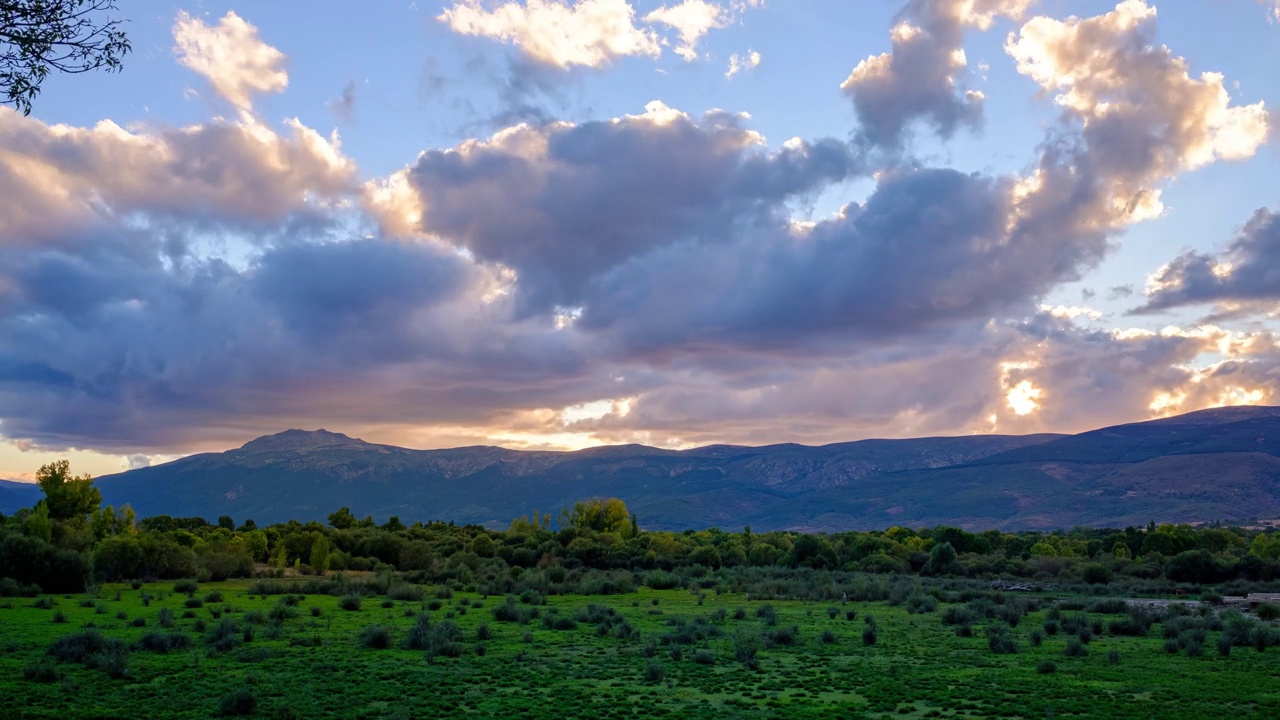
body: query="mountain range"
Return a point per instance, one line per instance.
(1220, 464)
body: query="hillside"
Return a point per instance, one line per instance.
(1215, 464)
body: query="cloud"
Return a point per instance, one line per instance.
(230, 56)
(692, 19)
(344, 106)
(561, 204)
(921, 78)
(589, 33)
(63, 178)
(1247, 271)
(742, 63)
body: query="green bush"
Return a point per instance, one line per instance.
(350, 602)
(1046, 667)
(237, 703)
(375, 637)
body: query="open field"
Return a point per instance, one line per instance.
(648, 653)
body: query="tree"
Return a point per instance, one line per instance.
(320, 555)
(42, 36)
(599, 514)
(225, 521)
(67, 496)
(342, 519)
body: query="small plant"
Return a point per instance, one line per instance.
(165, 618)
(483, 632)
(850, 615)
(193, 603)
(350, 602)
(1075, 648)
(704, 657)
(654, 672)
(213, 597)
(187, 587)
(59, 618)
(1046, 667)
(827, 637)
(316, 611)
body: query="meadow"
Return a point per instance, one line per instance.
(380, 647)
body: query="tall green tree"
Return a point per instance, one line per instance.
(39, 37)
(67, 496)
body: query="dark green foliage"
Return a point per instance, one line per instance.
(237, 703)
(827, 638)
(869, 635)
(1075, 648)
(1267, 611)
(91, 649)
(654, 672)
(193, 603)
(186, 587)
(350, 602)
(768, 614)
(213, 597)
(704, 657)
(162, 642)
(1000, 639)
(375, 637)
(1046, 667)
(224, 637)
(165, 618)
(41, 670)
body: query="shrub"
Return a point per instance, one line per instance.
(350, 602)
(1036, 638)
(1075, 648)
(59, 618)
(213, 597)
(44, 603)
(768, 614)
(1113, 657)
(827, 637)
(740, 614)
(162, 643)
(704, 657)
(1046, 667)
(483, 632)
(224, 637)
(1267, 611)
(850, 615)
(187, 587)
(316, 611)
(41, 671)
(746, 646)
(193, 603)
(375, 637)
(832, 612)
(237, 703)
(869, 635)
(91, 649)
(165, 618)
(654, 672)
(1000, 640)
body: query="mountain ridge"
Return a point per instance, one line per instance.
(1215, 464)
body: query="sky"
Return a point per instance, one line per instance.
(566, 223)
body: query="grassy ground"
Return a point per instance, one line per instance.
(309, 665)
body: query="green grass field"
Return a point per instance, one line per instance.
(309, 661)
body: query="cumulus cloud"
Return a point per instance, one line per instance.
(742, 63)
(692, 19)
(558, 32)
(1249, 270)
(63, 178)
(921, 77)
(562, 203)
(231, 56)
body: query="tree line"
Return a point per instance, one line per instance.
(69, 539)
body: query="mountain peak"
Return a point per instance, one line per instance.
(301, 440)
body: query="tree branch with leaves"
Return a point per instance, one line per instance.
(39, 37)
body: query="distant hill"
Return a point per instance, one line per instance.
(1214, 464)
(14, 495)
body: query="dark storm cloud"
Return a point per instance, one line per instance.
(1249, 270)
(562, 203)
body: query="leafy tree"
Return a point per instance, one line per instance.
(941, 557)
(225, 521)
(599, 514)
(342, 519)
(42, 36)
(320, 555)
(67, 496)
